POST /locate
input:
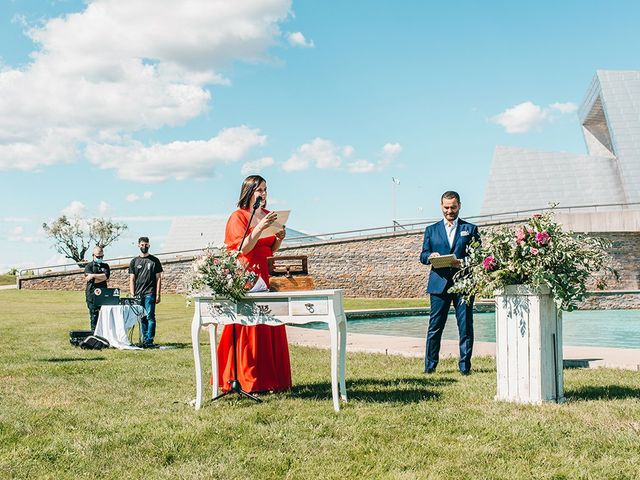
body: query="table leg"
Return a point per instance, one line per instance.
(334, 366)
(195, 341)
(213, 341)
(343, 350)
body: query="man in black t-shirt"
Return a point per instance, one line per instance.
(96, 273)
(145, 281)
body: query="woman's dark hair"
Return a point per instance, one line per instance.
(250, 184)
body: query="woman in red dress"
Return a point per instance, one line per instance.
(262, 350)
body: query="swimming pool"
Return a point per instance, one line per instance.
(601, 328)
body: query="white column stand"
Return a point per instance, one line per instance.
(528, 346)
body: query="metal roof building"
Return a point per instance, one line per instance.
(526, 179)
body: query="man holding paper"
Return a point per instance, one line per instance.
(445, 245)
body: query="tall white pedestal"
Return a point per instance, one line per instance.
(528, 346)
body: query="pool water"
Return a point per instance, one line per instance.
(601, 328)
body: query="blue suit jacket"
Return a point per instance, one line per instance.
(435, 240)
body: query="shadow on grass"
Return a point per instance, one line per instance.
(375, 390)
(606, 392)
(75, 359)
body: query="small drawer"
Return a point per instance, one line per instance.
(215, 308)
(311, 306)
(268, 308)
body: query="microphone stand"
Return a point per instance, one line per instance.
(234, 384)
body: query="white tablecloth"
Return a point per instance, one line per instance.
(114, 323)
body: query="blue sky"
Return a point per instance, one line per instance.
(142, 112)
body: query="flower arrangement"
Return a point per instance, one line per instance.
(538, 252)
(220, 271)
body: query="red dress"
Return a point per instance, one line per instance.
(263, 350)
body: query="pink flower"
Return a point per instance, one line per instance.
(534, 251)
(543, 238)
(489, 263)
(530, 229)
(520, 234)
(537, 215)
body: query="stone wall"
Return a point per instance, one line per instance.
(172, 280)
(381, 266)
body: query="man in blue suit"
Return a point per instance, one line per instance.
(450, 235)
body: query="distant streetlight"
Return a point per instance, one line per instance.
(394, 185)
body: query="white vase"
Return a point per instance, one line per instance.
(528, 345)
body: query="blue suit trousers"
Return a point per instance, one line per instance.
(440, 303)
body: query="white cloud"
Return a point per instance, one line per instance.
(119, 67)
(348, 150)
(392, 148)
(146, 218)
(74, 209)
(567, 107)
(323, 153)
(15, 219)
(390, 152)
(256, 166)
(104, 208)
(295, 163)
(17, 234)
(362, 166)
(297, 39)
(180, 160)
(520, 118)
(525, 116)
(134, 197)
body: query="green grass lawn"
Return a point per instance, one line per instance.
(7, 279)
(69, 413)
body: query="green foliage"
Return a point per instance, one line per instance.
(67, 413)
(7, 279)
(220, 271)
(73, 236)
(538, 252)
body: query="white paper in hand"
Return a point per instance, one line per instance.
(260, 286)
(275, 227)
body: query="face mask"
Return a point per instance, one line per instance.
(144, 249)
(97, 260)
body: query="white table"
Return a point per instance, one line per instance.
(274, 308)
(114, 323)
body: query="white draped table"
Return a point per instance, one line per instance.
(115, 322)
(274, 308)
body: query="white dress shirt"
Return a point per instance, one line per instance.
(451, 230)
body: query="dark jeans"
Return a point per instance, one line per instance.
(440, 304)
(148, 322)
(94, 312)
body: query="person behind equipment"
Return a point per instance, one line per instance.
(145, 282)
(96, 274)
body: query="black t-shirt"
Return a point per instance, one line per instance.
(93, 267)
(145, 270)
